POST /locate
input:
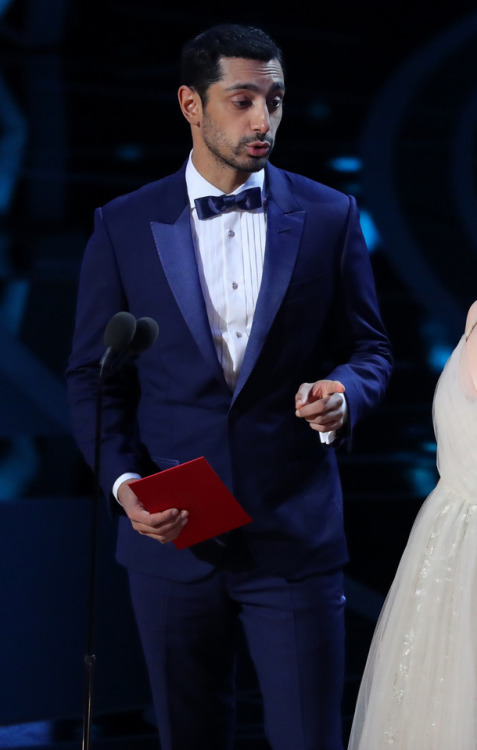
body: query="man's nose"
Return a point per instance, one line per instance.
(261, 118)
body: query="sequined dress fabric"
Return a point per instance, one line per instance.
(419, 688)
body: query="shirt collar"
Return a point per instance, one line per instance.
(198, 186)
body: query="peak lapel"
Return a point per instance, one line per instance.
(176, 251)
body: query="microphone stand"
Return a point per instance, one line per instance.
(90, 658)
(125, 337)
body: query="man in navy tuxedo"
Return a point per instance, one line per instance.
(271, 349)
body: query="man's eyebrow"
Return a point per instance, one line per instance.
(276, 86)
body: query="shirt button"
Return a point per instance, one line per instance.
(234, 285)
(238, 334)
(231, 233)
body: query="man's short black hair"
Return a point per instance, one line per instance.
(200, 60)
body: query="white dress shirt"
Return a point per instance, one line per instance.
(230, 250)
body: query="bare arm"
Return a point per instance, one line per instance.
(471, 342)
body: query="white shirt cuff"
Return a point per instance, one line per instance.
(121, 479)
(329, 437)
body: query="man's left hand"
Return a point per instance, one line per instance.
(322, 404)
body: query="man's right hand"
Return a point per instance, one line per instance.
(164, 526)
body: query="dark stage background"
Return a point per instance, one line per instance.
(382, 103)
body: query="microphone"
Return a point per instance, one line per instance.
(145, 335)
(127, 337)
(118, 335)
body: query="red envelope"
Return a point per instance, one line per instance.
(193, 486)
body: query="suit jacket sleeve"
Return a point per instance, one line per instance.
(359, 340)
(100, 296)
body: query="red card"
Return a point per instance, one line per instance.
(193, 486)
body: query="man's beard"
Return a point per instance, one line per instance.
(227, 154)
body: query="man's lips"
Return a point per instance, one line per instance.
(258, 148)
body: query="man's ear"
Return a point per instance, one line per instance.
(190, 104)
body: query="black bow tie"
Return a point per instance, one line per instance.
(212, 205)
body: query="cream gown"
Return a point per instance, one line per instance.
(419, 688)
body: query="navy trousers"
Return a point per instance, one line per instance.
(295, 634)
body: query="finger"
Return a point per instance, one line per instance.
(173, 533)
(165, 531)
(322, 427)
(325, 425)
(326, 422)
(331, 411)
(324, 388)
(313, 410)
(161, 538)
(323, 411)
(302, 394)
(333, 404)
(177, 523)
(164, 516)
(161, 520)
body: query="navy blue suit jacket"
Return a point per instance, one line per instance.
(317, 316)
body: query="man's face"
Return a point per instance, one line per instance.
(242, 113)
